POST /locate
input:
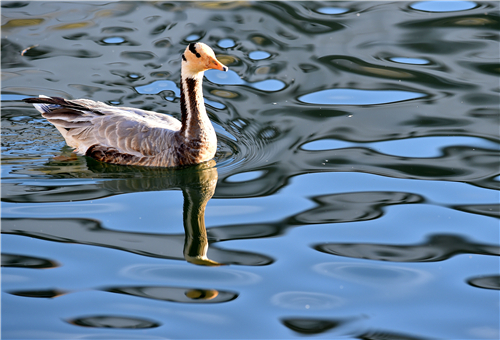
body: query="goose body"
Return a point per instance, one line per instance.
(123, 135)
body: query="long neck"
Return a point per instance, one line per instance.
(195, 122)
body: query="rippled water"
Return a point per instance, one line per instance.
(355, 188)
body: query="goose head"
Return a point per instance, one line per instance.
(198, 58)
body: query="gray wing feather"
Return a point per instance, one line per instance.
(85, 123)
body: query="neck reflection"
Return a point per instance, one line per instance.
(198, 188)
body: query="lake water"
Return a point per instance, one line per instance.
(354, 193)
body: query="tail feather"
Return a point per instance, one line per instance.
(47, 104)
(63, 114)
(73, 120)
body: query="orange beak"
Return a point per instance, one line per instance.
(217, 65)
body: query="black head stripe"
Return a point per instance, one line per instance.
(184, 57)
(192, 48)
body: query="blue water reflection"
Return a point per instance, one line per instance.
(232, 78)
(113, 40)
(443, 6)
(259, 55)
(358, 97)
(245, 176)
(193, 37)
(412, 147)
(331, 10)
(414, 61)
(158, 86)
(11, 97)
(226, 43)
(215, 104)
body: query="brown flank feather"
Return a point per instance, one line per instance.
(111, 155)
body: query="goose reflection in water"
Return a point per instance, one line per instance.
(198, 188)
(197, 183)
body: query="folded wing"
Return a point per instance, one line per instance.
(106, 132)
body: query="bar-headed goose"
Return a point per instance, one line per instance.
(123, 135)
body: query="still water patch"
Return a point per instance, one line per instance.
(374, 275)
(306, 300)
(173, 273)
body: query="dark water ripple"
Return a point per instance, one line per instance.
(41, 52)
(20, 261)
(387, 335)
(112, 321)
(338, 124)
(486, 282)
(311, 326)
(42, 294)
(339, 63)
(492, 210)
(349, 207)
(175, 294)
(437, 248)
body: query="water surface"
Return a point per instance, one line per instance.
(354, 193)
